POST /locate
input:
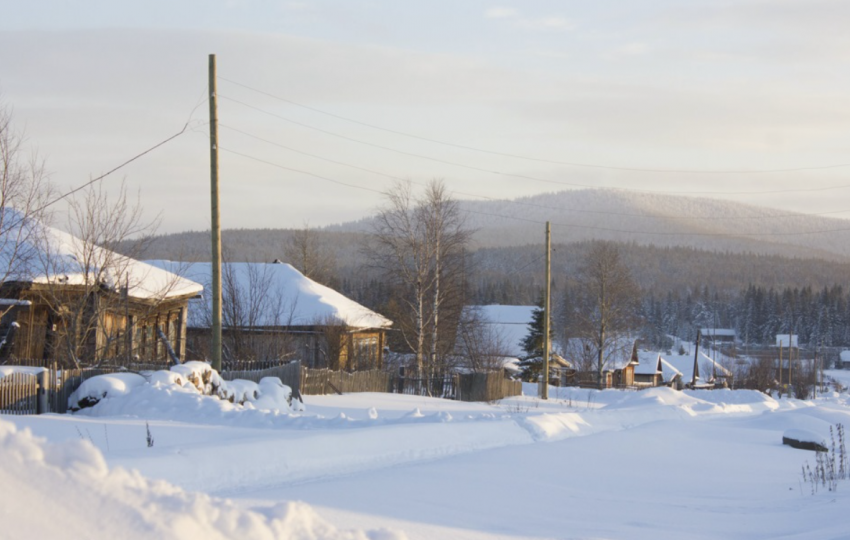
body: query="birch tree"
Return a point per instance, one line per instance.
(418, 243)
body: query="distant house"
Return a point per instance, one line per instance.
(844, 360)
(67, 300)
(621, 358)
(784, 340)
(686, 371)
(272, 311)
(509, 323)
(718, 335)
(649, 371)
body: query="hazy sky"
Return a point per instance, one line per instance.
(675, 85)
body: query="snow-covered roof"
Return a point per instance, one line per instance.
(684, 366)
(649, 363)
(510, 323)
(31, 252)
(845, 356)
(719, 332)
(669, 371)
(278, 295)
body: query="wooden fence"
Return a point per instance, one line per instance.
(290, 374)
(49, 391)
(316, 382)
(18, 394)
(489, 386)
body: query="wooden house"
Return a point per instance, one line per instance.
(272, 311)
(620, 357)
(68, 301)
(844, 360)
(649, 371)
(718, 335)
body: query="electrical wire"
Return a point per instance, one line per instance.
(570, 225)
(529, 158)
(520, 176)
(529, 204)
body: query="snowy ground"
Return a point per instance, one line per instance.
(585, 464)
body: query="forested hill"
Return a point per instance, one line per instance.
(514, 275)
(722, 246)
(651, 219)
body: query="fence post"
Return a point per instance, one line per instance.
(41, 405)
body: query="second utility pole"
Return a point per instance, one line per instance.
(544, 385)
(215, 224)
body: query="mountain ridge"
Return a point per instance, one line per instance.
(649, 219)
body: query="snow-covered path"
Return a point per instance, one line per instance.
(586, 464)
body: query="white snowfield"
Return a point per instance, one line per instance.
(585, 464)
(68, 491)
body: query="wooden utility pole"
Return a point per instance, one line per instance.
(696, 360)
(215, 223)
(544, 385)
(790, 356)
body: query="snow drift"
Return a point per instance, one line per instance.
(72, 485)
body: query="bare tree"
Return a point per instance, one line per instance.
(606, 307)
(24, 194)
(304, 251)
(478, 343)
(254, 313)
(88, 283)
(418, 243)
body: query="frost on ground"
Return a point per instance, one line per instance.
(67, 491)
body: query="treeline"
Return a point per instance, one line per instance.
(758, 314)
(682, 288)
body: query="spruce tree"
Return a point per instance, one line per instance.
(532, 344)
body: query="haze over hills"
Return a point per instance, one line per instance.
(651, 219)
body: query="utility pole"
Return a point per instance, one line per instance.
(215, 225)
(790, 357)
(544, 385)
(696, 360)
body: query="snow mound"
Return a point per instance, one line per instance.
(191, 392)
(804, 435)
(98, 388)
(86, 499)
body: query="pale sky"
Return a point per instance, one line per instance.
(668, 85)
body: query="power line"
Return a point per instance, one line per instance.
(520, 176)
(571, 225)
(529, 204)
(529, 158)
(121, 166)
(259, 160)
